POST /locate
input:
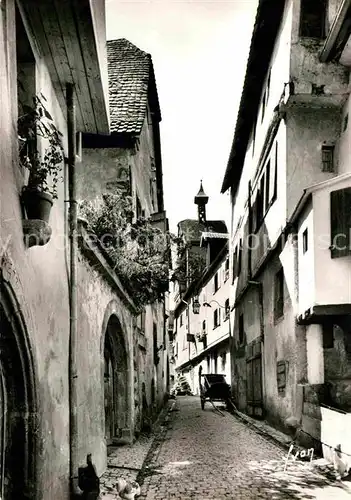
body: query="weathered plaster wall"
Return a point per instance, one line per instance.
(332, 276)
(274, 220)
(337, 368)
(104, 169)
(344, 140)
(97, 302)
(306, 261)
(306, 69)
(283, 341)
(280, 71)
(43, 300)
(307, 130)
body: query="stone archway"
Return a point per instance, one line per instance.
(116, 382)
(18, 410)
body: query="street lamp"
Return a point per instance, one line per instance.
(196, 305)
(208, 304)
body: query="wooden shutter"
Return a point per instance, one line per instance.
(340, 222)
(273, 175)
(235, 263)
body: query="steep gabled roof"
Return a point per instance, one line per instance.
(131, 85)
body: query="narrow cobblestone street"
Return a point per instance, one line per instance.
(204, 455)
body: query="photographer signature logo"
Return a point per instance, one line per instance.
(298, 454)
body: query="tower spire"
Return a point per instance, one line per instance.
(201, 200)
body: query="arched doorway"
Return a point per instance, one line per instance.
(18, 415)
(116, 377)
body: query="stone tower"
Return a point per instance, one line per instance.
(201, 200)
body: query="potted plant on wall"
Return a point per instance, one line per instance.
(44, 163)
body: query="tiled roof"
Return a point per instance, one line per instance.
(192, 229)
(131, 79)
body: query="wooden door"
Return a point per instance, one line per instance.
(254, 402)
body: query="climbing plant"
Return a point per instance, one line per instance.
(139, 251)
(190, 264)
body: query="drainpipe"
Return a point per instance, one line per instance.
(72, 368)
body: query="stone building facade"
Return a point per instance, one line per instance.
(70, 341)
(129, 159)
(289, 180)
(201, 306)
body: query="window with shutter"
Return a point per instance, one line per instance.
(340, 222)
(279, 294)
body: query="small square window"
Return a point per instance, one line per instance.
(327, 158)
(305, 240)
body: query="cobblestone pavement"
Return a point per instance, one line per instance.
(204, 455)
(124, 462)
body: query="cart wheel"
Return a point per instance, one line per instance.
(202, 404)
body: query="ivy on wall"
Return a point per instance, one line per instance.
(139, 251)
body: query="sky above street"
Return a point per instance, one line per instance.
(199, 50)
